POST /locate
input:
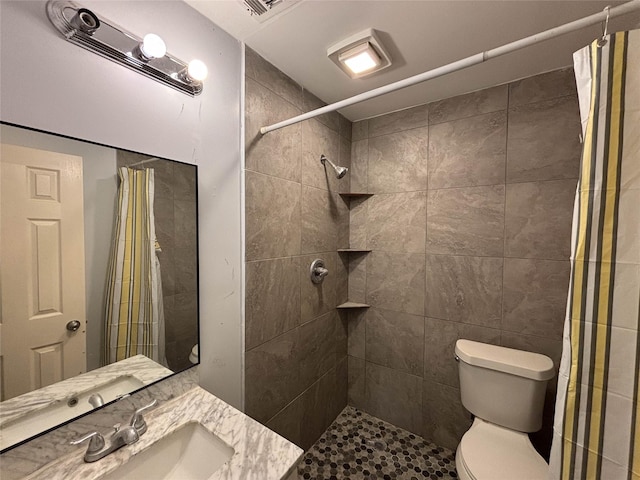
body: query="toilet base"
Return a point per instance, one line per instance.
(491, 452)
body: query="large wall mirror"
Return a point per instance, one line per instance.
(99, 277)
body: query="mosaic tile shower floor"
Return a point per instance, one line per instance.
(357, 446)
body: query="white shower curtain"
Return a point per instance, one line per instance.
(134, 313)
(597, 422)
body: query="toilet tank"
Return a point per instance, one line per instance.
(502, 385)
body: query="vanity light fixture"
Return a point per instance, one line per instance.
(360, 55)
(147, 55)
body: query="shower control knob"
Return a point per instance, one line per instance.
(73, 325)
(318, 271)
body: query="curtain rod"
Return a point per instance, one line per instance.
(460, 64)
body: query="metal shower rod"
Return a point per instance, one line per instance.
(464, 63)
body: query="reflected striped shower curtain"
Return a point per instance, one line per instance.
(134, 313)
(597, 422)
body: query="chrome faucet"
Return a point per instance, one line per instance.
(96, 400)
(99, 447)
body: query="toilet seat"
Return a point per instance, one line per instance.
(491, 452)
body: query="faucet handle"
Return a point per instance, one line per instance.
(96, 441)
(137, 420)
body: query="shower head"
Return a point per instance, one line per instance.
(340, 171)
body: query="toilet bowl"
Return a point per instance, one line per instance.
(489, 451)
(504, 388)
(194, 356)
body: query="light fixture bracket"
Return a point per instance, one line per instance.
(78, 25)
(369, 36)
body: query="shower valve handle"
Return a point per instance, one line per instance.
(318, 271)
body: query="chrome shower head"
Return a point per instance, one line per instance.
(340, 171)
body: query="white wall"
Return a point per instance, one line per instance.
(53, 85)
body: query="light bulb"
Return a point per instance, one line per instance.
(197, 70)
(153, 46)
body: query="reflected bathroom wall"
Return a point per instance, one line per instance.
(175, 211)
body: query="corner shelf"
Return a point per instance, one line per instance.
(353, 250)
(350, 305)
(355, 195)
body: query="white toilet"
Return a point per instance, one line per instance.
(504, 388)
(194, 356)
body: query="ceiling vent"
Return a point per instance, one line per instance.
(262, 10)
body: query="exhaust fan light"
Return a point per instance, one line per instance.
(360, 55)
(360, 58)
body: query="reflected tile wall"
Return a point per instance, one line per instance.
(176, 224)
(470, 225)
(296, 341)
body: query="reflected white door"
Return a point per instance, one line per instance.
(42, 269)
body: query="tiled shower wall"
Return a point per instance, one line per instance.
(296, 341)
(470, 226)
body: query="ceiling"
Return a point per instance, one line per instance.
(420, 35)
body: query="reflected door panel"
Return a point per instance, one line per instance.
(42, 257)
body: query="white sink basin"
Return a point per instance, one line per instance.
(191, 452)
(36, 421)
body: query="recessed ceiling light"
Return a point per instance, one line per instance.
(360, 55)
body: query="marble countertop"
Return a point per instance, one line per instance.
(259, 453)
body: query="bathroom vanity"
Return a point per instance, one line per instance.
(188, 429)
(194, 435)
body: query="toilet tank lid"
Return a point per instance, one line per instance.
(516, 362)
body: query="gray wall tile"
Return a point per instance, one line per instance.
(397, 121)
(357, 278)
(346, 128)
(342, 278)
(279, 152)
(359, 165)
(397, 222)
(318, 342)
(466, 221)
(535, 296)
(314, 413)
(344, 160)
(311, 102)
(272, 376)
(320, 220)
(360, 130)
(288, 421)
(357, 333)
(340, 398)
(269, 76)
(538, 219)
(318, 139)
(394, 396)
(341, 334)
(465, 289)
(356, 394)
(475, 103)
(445, 419)
(543, 141)
(468, 152)
(395, 340)
(271, 203)
(547, 86)
(358, 223)
(398, 162)
(272, 299)
(395, 281)
(317, 298)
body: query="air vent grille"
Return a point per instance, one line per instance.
(260, 7)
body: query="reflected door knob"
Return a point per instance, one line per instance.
(73, 325)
